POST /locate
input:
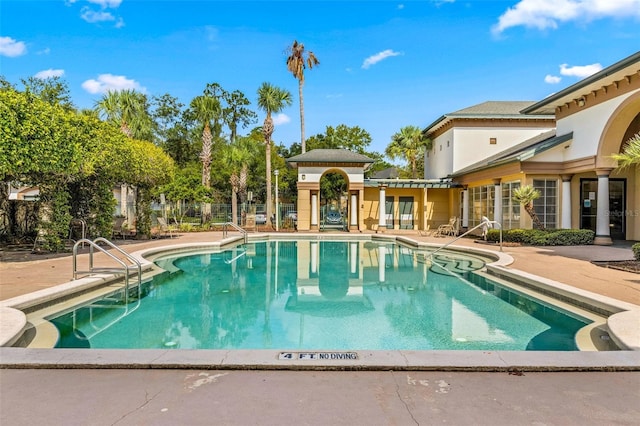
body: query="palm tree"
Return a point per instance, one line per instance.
(525, 196)
(409, 144)
(205, 109)
(129, 110)
(271, 99)
(630, 154)
(297, 61)
(238, 155)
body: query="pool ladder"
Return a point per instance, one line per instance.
(126, 269)
(227, 225)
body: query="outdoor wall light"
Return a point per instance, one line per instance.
(303, 177)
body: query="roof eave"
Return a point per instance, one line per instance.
(609, 71)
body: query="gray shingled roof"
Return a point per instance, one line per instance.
(390, 173)
(329, 156)
(492, 109)
(489, 110)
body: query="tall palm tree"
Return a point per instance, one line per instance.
(205, 109)
(409, 144)
(525, 196)
(297, 61)
(271, 99)
(630, 154)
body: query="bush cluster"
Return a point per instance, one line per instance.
(550, 237)
(636, 251)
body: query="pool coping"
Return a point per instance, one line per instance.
(623, 324)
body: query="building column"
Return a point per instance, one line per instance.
(382, 215)
(353, 222)
(314, 210)
(497, 201)
(603, 231)
(565, 220)
(465, 208)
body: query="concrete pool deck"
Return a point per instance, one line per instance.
(160, 389)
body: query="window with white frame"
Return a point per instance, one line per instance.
(481, 203)
(546, 207)
(510, 209)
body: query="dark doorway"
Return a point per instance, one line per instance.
(388, 211)
(617, 206)
(406, 212)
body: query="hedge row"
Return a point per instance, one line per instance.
(551, 237)
(636, 250)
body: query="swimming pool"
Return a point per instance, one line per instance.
(322, 295)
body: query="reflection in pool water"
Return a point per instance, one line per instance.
(328, 295)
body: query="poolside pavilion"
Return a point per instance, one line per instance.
(562, 145)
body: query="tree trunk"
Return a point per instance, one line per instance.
(302, 142)
(534, 217)
(267, 131)
(268, 206)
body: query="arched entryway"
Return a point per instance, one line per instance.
(615, 187)
(312, 167)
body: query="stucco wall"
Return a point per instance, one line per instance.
(468, 145)
(587, 127)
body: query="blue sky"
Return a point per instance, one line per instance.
(383, 64)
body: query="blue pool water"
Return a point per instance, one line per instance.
(328, 295)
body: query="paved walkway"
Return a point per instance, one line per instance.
(231, 397)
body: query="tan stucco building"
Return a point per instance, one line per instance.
(562, 145)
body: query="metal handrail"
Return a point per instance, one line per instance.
(125, 268)
(483, 223)
(236, 227)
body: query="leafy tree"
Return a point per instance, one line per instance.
(167, 113)
(53, 90)
(525, 196)
(236, 113)
(297, 60)
(148, 167)
(409, 144)
(630, 155)
(271, 99)
(341, 137)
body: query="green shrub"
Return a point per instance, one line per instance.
(636, 250)
(536, 237)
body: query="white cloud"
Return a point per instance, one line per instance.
(580, 71)
(110, 82)
(552, 79)
(544, 14)
(281, 119)
(43, 75)
(102, 14)
(374, 59)
(106, 3)
(12, 48)
(44, 51)
(92, 16)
